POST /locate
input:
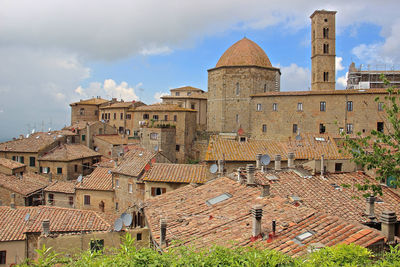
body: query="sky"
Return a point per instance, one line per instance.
(56, 52)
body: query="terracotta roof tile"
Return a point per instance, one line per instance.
(99, 179)
(34, 143)
(92, 101)
(28, 184)
(116, 139)
(163, 107)
(134, 161)
(191, 96)
(10, 164)
(69, 152)
(177, 173)
(186, 88)
(62, 220)
(310, 147)
(61, 187)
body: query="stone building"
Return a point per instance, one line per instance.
(86, 110)
(364, 77)
(244, 69)
(112, 145)
(60, 194)
(191, 98)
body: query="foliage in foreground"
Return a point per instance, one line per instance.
(128, 255)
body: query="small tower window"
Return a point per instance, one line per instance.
(265, 88)
(326, 48)
(264, 128)
(237, 88)
(326, 33)
(237, 118)
(326, 76)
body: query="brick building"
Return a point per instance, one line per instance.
(86, 110)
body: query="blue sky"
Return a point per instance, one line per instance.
(54, 53)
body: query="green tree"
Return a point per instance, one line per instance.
(380, 150)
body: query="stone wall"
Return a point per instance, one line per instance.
(96, 197)
(15, 252)
(90, 113)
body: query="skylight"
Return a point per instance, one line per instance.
(320, 139)
(218, 199)
(304, 236)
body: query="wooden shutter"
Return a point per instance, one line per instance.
(164, 190)
(153, 191)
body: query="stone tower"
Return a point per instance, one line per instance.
(244, 69)
(323, 49)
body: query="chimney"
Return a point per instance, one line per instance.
(250, 174)
(370, 208)
(163, 232)
(322, 166)
(256, 213)
(273, 227)
(265, 190)
(388, 223)
(239, 176)
(220, 168)
(290, 160)
(46, 226)
(258, 161)
(12, 202)
(88, 137)
(278, 159)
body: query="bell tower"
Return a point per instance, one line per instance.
(323, 50)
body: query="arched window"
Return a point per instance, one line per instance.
(326, 33)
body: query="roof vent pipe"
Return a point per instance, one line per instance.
(258, 161)
(265, 190)
(278, 162)
(256, 213)
(250, 174)
(291, 160)
(388, 224)
(163, 232)
(220, 167)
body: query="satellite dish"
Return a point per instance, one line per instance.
(109, 172)
(79, 178)
(49, 129)
(118, 225)
(298, 137)
(265, 159)
(156, 148)
(27, 216)
(33, 131)
(213, 168)
(96, 149)
(126, 219)
(27, 135)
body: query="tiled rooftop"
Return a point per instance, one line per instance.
(195, 216)
(99, 179)
(69, 152)
(28, 184)
(10, 164)
(134, 161)
(13, 225)
(163, 107)
(34, 143)
(61, 187)
(118, 105)
(116, 139)
(327, 92)
(177, 173)
(307, 148)
(92, 101)
(80, 125)
(191, 96)
(186, 88)
(327, 194)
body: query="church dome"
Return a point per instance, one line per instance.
(244, 53)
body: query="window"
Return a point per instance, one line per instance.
(153, 136)
(349, 128)
(32, 161)
(326, 48)
(218, 199)
(326, 33)
(299, 106)
(121, 116)
(275, 106)
(96, 112)
(102, 116)
(86, 200)
(294, 128)
(46, 169)
(237, 88)
(76, 168)
(109, 115)
(138, 236)
(349, 106)
(83, 137)
(166, 117)
(258, 107)
(82, 111)
(145, 116)
(189, 93)
(3, 255)
(156, 191)
(193, 106)
(117, 182)
(326, 20)
(237, 118)
(96, 245)
(338, 167)
(116, 206)
(59, 170)
(326, 76)
(322, 106)
(379, 126)
(71, 201)
(21, 159)
(155, 117)
(175, 117)
(176, 93)
(115, 116)
(121, 130)
(177, 147)
(51, 199)
(341, 130)
(321, 128)
(14, 158)
(127, 131)
(40, 170)
(265, 88)
(130, 188)
(380, 106)
(264, 128)
(128, 116)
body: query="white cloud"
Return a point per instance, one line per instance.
(158, 95)
(341, 82)
(153, 50)
(109, 89)
(338, 64)
(295, 78)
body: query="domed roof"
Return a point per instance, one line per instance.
(244, 53)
